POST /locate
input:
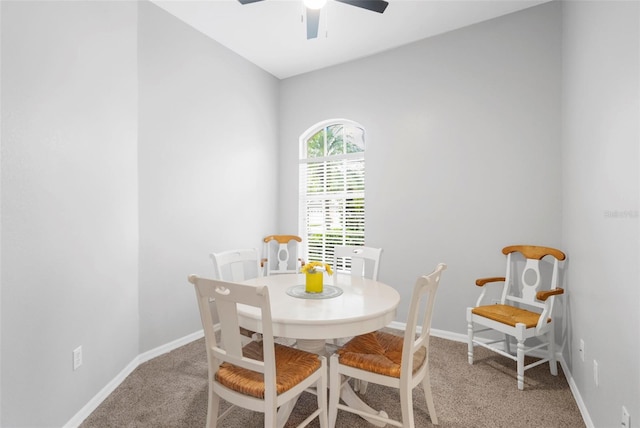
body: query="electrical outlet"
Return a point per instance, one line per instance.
(77, 357)
(626, 419)
(581, 350)
(595, 373)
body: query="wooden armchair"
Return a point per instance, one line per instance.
(525, 309)
(281, 254)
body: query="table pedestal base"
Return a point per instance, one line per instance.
(347, 394)
(351, 399)
(315, 346)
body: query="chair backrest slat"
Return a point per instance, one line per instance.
(531, 269)
(358, 260)
(422, 302)
(281, 253)
(227, 296)
(236, 265)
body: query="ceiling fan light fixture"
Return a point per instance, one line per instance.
(315, 4)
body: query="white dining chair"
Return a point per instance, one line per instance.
(237, 266)
(389, 360)
(357, 260)
(260, 376)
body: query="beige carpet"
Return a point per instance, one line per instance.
(171, 391)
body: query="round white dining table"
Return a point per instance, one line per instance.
(363, 306)
(360, 306)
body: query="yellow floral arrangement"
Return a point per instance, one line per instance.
(312, 266)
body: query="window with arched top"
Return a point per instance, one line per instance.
(331, 185)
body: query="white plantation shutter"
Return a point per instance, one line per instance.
(332, 197)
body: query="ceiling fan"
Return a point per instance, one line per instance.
(313, 8)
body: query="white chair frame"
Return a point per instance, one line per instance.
(424, 293)
(365, 261)
(532, 298)
(237, 262)
(281, 254)
(236, 266)
(227, 296)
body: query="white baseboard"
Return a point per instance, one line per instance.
(93, 404)
(443, 334)
(168, 347)
(576, 393)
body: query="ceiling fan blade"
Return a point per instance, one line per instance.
(248, 1)
(313, 22)
(373, 5)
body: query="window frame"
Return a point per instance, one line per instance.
(348, 206)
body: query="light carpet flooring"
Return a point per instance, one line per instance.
(171, 391)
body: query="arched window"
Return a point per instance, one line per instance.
(332, 204)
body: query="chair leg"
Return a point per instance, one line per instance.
(520, 357)
(360, 386)
(406, 404)
(469, 338)
(334, 390)
(213, 408)
(321, 388)
(507, 344)
(426, 385)
(271, 417)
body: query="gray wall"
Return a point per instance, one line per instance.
(207, 154)
(69, 204)
(121, 133)
(601, 109)
(123, 129)
(463, 149)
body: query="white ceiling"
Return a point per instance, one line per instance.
(272, 35)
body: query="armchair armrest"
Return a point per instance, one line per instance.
(544, 295)
(480, 282)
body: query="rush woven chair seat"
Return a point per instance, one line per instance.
(524, 309)
(378, 352)
(292, 367)
(389, 360)
(509, 315)
(262, 376)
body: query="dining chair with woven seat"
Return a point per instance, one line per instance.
(236, 266)
(281, 254)
(357, 260)
(393, 361)
(524, 309)
(260, 376)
